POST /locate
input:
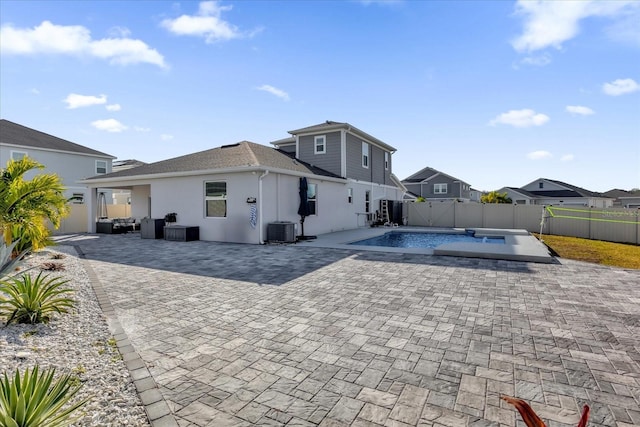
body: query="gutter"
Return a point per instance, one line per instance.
(260, 231)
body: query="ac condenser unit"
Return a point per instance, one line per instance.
(281, 231)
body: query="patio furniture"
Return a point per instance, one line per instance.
(152, 228)
(181, 233)
(115, 225)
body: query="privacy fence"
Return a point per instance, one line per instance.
(612, 225)
(76, 222)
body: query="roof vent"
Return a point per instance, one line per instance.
(230, 145)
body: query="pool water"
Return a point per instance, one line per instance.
(400, 239)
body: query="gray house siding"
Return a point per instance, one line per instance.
(330, 160)
(377, 165)
(291, 149)
(426, 189)
(355, 170)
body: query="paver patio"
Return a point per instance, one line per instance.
(295, 335)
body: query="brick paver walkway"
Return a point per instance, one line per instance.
(293, 335)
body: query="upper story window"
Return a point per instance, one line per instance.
(18, 155)
(215, 199)
(101, 166)
(540, 184)
(365, 155)
(386, 160)
(320, 144)
(439, 188)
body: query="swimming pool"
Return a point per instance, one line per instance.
(401, 239)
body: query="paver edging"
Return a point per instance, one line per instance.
(157, 410)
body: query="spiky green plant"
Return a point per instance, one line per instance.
(8, 262)
(26, 299)
(36, 400)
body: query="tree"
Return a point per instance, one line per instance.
(495, 197)
(26, 205)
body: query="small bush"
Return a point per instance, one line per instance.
(57, 256)
(52, 266)
(28, 300)
(35, 400)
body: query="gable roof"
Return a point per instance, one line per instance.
(520, 191)
(571, 190)
(427, 174)
(242, 155)
(332, 126)
(14, 134)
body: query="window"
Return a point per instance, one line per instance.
(386, 160)
(215, 199)
(367, 201)
(350, 195)
(312, 198)
(439, 188)
(77, 198)
(18, 155)
(541, 184)
(320, 144)
(365, 155)
(101, 166)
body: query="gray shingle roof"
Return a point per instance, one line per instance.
(244, 154)
(15, 134)
(581, 191)
(330, 125)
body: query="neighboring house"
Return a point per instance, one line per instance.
(434, 185)
(123, 197)
(232, 193)
(624, 198)
(549, 192)
(71, 162)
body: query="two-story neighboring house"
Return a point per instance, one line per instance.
(233, 193)
(362, 159)
(550, 192)
(70, 161)
(434, 185)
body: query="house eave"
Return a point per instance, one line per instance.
(77, 153)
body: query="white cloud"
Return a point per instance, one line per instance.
(166, 137)
(206, 23)
(620, 87)
(34, 91)
(550, 23)
(567, 158)
(74, 100)
(113, 107)
(580, 110)
(274, 91)
(48, 38)
(119, 32)
(520, 118)
(537, 61)
(539, 155)
(109, 125)
(141, 129)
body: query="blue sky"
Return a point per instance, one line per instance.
(494, 93)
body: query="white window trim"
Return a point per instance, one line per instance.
(12, 152)
(206, 198)
(437, 188)
(324, 144)
(365, 155)
(105, 167)
(315, 199)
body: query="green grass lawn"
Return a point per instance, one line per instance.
(595, 251)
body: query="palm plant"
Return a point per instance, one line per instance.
(35, 400)
(26, 299)
(531, 419)
(25, 205)
(495, 197)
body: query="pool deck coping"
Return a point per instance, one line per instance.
(519, 245)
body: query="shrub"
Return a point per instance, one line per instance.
(29, 300)
(52, 266)
(35, 400)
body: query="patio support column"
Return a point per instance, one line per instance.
(92, 203)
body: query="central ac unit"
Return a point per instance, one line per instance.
(281, 231)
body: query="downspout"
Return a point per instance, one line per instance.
(260, 234)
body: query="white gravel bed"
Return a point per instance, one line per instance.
(78, 343)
